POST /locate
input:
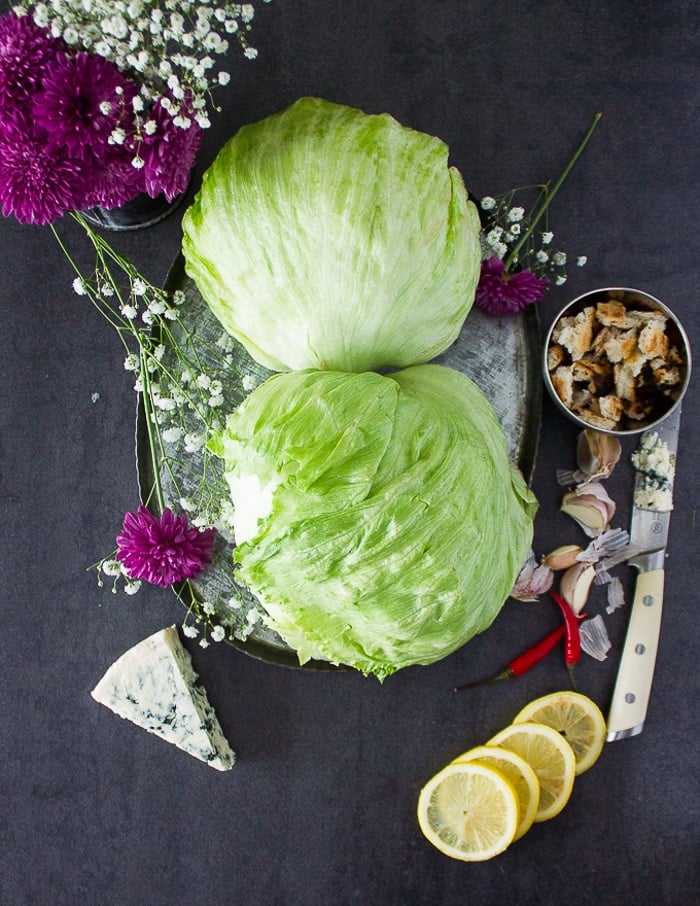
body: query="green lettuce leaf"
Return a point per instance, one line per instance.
(324, 237)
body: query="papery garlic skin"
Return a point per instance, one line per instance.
(616, 595)
(594, 638)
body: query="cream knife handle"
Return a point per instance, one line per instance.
(633, 686)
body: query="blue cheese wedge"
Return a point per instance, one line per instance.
(154, 686)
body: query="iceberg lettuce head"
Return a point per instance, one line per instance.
(327, 238)
(379, 521)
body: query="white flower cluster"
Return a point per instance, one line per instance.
(167, 46)
(508, 235)
(115, 570)
(217, 632)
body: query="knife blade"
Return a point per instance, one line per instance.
(649, 535)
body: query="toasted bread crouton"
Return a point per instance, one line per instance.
(653, 341)
(596, 373)
(563, 383)
(576, 334)
(611, 407)
(602, 338)
(625, 383)
(596, 420)
(639, 317)
(612, 314)
(666, 376)
(556, 355)
(622, 346)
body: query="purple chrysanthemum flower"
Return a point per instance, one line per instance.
(162, 549)
(169, 154)
(84, 98)
(37, 185)
(25, 50)
(499, 293)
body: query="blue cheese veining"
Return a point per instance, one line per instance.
(154, 686)
(656, 466)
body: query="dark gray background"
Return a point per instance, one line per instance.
(320, 808)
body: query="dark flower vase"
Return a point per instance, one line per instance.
(137, 214)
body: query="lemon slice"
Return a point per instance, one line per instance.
(551, 758)
(469, 811)
(520, 774)
(576, 717)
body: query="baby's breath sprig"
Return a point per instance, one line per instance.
(519, 259)
(168, 46)
(510, 235)
(178, 375)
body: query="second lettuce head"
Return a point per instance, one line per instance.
(378, 519)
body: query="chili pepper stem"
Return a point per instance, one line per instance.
(524, 662)
(570, 668)
(503, 675)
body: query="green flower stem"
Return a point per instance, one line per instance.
(149, 414)
(549, 196)
(122, 325)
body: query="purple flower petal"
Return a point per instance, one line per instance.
(500, 293)
(25, 50)
(162, 550)
(37, 185)
(84, 98)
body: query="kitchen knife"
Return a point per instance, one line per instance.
(648, 535)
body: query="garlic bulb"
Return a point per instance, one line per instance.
(597, 454)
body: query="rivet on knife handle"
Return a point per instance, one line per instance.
(633, 687)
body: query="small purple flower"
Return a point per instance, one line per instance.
(162, 549)
(37, 185)
(499, 293)
(84, 98)
(169, 154)
(25, 49)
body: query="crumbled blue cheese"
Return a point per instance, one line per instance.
(154, 686)
(656, 466)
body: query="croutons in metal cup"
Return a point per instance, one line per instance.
(616, 360)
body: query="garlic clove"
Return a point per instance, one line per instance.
(590, 506)
(597, 454)
(562, 557)
(576, 584)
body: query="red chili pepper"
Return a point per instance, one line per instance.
(572, 647)
(524, 662)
